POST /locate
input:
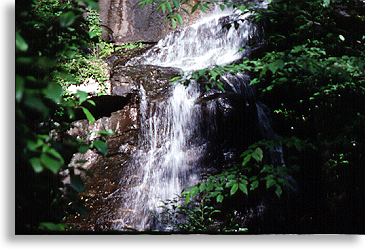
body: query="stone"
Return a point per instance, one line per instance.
(129, 23)
(154, 79)
(125, 21)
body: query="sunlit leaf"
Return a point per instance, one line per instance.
(67, 19)
(36, 164)
(53, 92)
(179, 19)
(234, 189)
(20, 43)
(258, 154)
(101, 146)
(220, 198)
(81, 95)
(243, 188)
(89, 116)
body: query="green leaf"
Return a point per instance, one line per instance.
(220, 198)
(179, 19)
(203, 8)
(194, 8)
(242, 8)
(52, 226)
(193, 192)
(169, 7)
(234, 189)
(36, 164)
(33, 101)
(254, 185)
(33, 145)
(187, 199)
(51, 162)
(279, 63)
(54, 92)
(81, 95)
(215, 193)
(273, 67)
(176, 3)
(89, 116)
(109, 132)
(20, 43)
(243, 188)
(278, 190)
(173, 23)
(163, 8)
(19, 87)
(67, 19)
(82, 149)
(101, 146)
(270, 183)
(258, 154)
(77, 183)
(202, 187)
(91, 102)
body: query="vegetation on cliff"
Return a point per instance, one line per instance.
(57, 42)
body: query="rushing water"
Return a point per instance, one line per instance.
(216, 40)
(171, 145)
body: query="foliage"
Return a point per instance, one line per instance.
(197, 216)
(47, 32)
(252, 173)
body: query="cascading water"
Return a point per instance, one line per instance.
(207, 43)
(169, 154)
(172, 146)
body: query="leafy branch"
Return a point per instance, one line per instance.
(247, 177)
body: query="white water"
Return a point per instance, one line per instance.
(171, 147)
(168, 156)
(205, 44)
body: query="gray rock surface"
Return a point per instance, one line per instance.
(125, 21)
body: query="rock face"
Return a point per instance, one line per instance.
(94, 210)
(155, 80)
(125, 21)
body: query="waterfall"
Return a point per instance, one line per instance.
(169, 154)
(172, 146)
(215, 40)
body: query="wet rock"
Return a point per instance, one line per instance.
(122, 122)
(102, 176)
(125, 21)
(155, 80)
(124, 54)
